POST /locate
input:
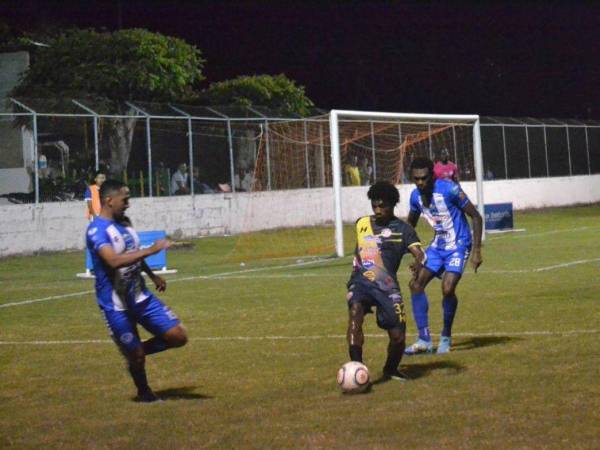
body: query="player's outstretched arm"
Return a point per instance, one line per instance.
(115, 260)
(159, 282)
(477, 221)
(413, 218)
(417, 251)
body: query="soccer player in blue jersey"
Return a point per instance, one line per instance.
(121, 291)
(381, 241)
(445, 207)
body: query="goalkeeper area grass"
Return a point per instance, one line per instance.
(267, 339)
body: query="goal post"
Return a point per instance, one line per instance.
(424, 132)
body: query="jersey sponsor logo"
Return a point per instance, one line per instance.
(129, 241)
(370, 275)
(126, 338)
(370, 238)
(92, 231)
(368, 263)
(386, 232)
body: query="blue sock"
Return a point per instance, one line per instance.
(449, 305)
(420, 306)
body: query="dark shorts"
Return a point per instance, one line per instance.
(389, 305)
(152, 314)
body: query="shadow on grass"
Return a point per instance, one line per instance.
(481, 341)
(415, 371)
(182, 393)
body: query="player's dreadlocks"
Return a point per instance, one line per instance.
(385, 191)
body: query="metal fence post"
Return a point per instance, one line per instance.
(306, 154)
(504, 147)
(587, 150)
(36, 181)
(373, 153)
(546, 151)
(190, 145)
(95, 122)
(528, 156)
(569, 150)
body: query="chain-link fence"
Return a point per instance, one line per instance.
(532, 148)
(49, 151)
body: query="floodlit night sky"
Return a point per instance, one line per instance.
(539, 59)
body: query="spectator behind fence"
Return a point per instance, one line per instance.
(243, 180)
(366, 172)
(352, 172)
(92, 195)
(445, 169)
(199, 186)
(179, 181)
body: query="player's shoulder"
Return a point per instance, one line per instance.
(414, 194)
(445, 186)
(397, 224)
(98, 225)
(362, 219)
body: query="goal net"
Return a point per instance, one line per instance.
(313, 174)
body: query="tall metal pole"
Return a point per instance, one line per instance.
(569, 150)
(231, 162)
(478, 157)
(587, 149)
(546, 152)
(35, 159)
(190, 145)
(148, 143)
(401, 154)
(337, 182)
(454, 142)
(306, 154)
(430, 144)
(95, 122)
(268, 151)
(149, 147)
(373, 153)
(528, 155)
(191, 154)
(504, 147)
(96, 150)
(36, 173)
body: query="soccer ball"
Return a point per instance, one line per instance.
(353, 377)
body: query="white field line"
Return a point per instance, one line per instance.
(241, 274)
(313, 337)
(541, 233)
(197, 277)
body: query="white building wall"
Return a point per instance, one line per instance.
(60, 226)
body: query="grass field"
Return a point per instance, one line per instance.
(266, 341)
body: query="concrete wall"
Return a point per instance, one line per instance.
(60, 226)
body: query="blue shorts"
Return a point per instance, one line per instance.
(152, 314)
(390, 306)
(440, 261)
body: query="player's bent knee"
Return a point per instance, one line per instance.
(176, 336)
(397, 335)
(415, 286)
(448, 290)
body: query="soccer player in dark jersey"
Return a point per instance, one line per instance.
(381, 241)
(445, 207)
(121, 291)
